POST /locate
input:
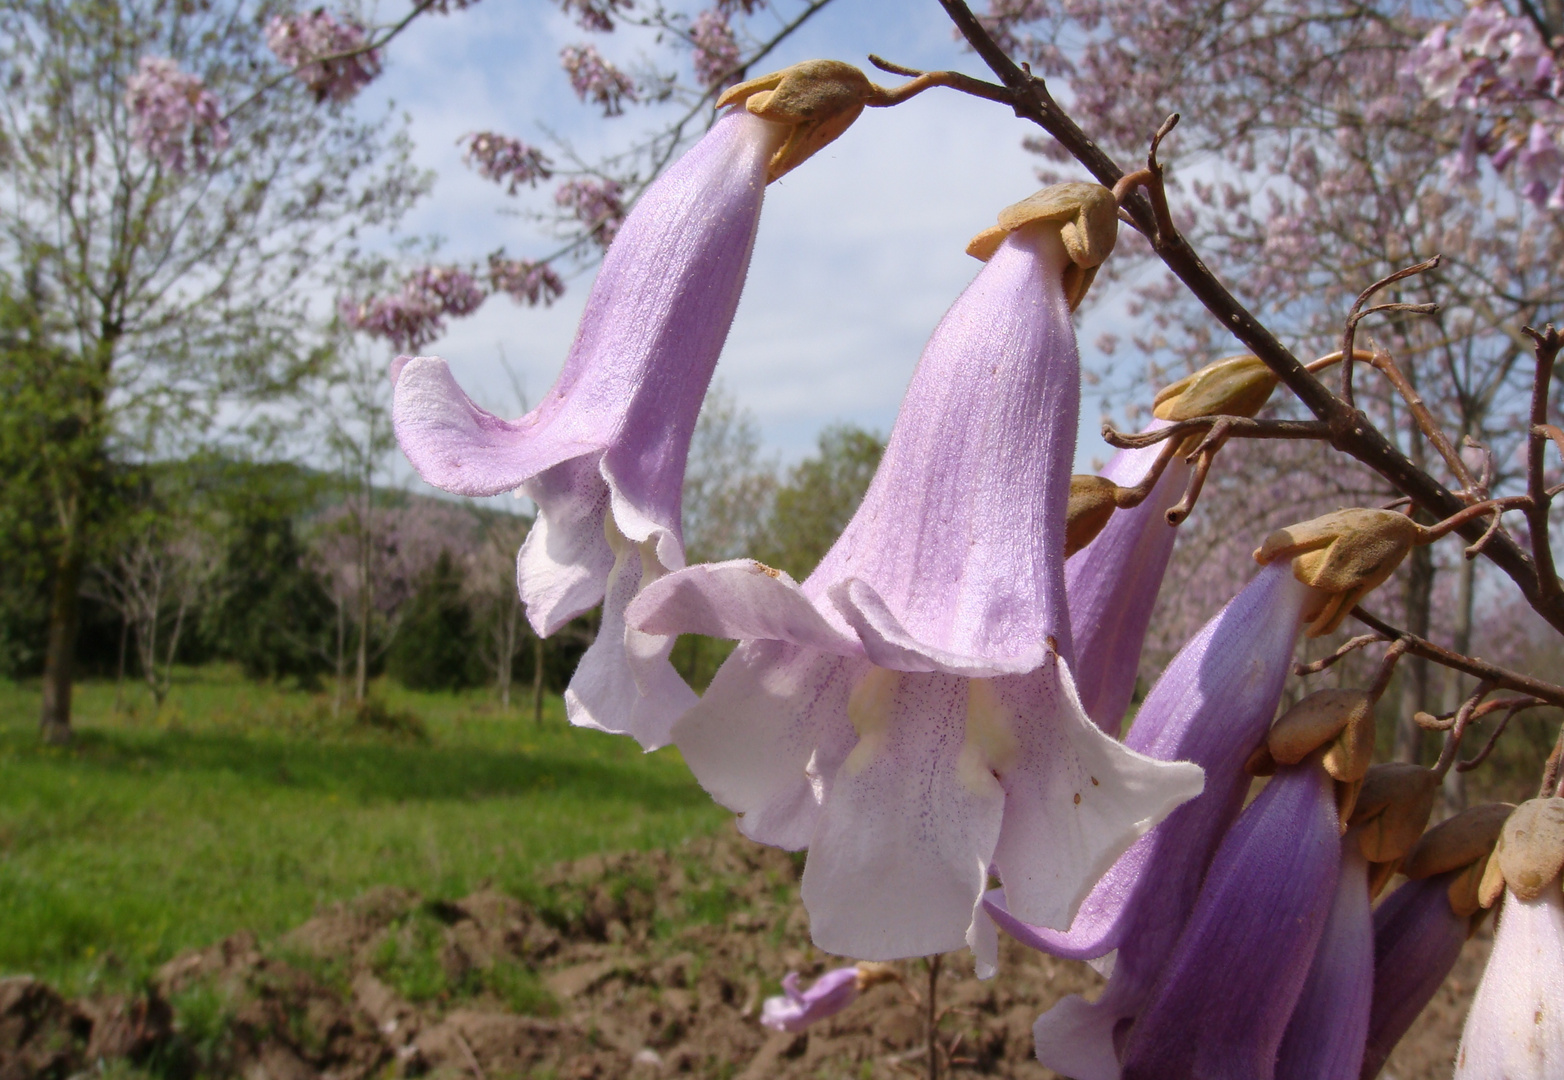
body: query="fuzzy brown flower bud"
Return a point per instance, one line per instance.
(1464, 842)
(1087, 216)
(1235, 386)
(1530, 854)
(1341, 720)
(1392, 808)
(818, 100)
(1346, 554)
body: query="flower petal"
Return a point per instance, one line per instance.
(1229, 988)
(1113, 584)
(961, 533)
(565, 560)
(1515, 1029)
(1417, 940)
(1069, 782)
(901, 854)
(740, 599)
(889, 645)
(624, 684)
(768, 736)
(1329, 1026)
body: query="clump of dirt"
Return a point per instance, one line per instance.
(641, 965)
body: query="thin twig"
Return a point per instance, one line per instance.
(1463, 717)
(1356, 315)
(1552, 774)
(1503, 678)
(1511, 707)
(1386, 365)
(1316, 666)
(1127, 498)
(1235, 427)
(1387, 669)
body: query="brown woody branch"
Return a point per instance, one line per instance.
(1234, 427)
(1350, 430)
(1501, 678)
(1548, 342)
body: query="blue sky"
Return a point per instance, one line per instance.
(859, 253)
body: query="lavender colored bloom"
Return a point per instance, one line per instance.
(1113, 582)
(303, 42)
(716, 50)
(905, 712)
(595, 79)
(1417, 940)
(1231, 984)
(1515, 1029)
(603, 455)
(173, 116)
(598, 204)
(1329, 1027)
(797, 1009)
(505, 160)
(1212, 706)
(525, 282)
(415, 315)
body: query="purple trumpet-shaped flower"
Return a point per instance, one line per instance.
(1515, 1029)
(1112, 585)
(905, 713)
(603, 455)
(832, 992)
(1213, 705)
(1231, 984)
(1329, 1027)
(1417, 939)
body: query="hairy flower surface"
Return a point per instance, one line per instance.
(311, 44)
(603, 455)
(174, 118)
(905, 713)
(1113, 582)
(1231, 984)
(1417, 939)
(1329, 1026)
(1212, 706)
(1515, 1029)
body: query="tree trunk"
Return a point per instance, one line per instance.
(1453, 795)
(507, 655)
(1414, 669)
(119, 673)
(60, 653)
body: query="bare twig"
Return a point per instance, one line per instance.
(1357, 315)
(1130, 497)
(1234, 427)
(1426, 423)
(1350, 430)
(1317, 666)
(1552, 774)
(1387, 668)
(1463, 717)
(1502, 678)
(1511, 706)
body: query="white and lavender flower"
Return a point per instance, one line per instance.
(906, 713)
(603, 455)
(828, 995)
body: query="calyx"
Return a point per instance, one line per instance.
(1087, 216)
(1345, 554)
(818, 100)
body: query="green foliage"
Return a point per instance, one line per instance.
(818, 498)
(435, 647)
(242, 809)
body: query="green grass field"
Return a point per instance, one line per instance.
(245, 806)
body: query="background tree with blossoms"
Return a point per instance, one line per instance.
(173, 196)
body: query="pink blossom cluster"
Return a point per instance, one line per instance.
(1494, 70)
(415, 315)
(505, 160)
(716, 49)
(596, 203)
(748, 7)
(595, 79)
(303, 42)
(173, 115)
(526, 282)
(595, 15)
